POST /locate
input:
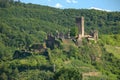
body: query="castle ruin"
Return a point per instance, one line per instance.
(92, 36)
(52, 39)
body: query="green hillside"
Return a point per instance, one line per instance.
(25, 53)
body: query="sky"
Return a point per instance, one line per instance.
(106, 5)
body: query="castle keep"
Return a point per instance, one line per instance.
(80, 24)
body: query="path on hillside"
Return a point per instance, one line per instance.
(85, 75)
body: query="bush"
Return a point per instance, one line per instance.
(68, 74)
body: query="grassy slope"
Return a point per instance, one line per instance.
(113, 49)
(112, 44)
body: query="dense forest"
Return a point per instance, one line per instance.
(22, 26)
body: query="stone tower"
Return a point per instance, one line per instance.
(80, 24)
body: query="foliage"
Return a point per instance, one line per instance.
(115, 50)
(68, 74)
(113, 40)
(23, 25)
(74, 31)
